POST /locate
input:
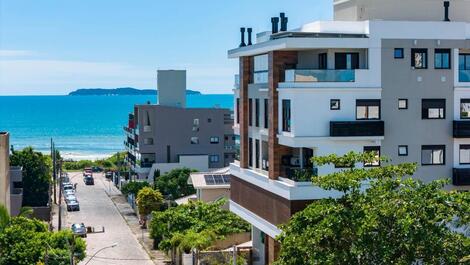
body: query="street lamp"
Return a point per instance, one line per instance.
(111, 246)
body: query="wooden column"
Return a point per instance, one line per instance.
(273, 250)
(278, 62)
(245, 79)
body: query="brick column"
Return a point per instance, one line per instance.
(273, 250)
(278, 62)
(245, 79)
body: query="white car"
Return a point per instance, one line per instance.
(70, 198)
(69, 192)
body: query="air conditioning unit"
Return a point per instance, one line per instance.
(295, 161)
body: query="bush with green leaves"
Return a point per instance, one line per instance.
(383, 217)
(148, 200)
(133, 187)
(175, 183)
(197, 217)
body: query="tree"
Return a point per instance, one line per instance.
(133, 187)
(36, 176)
(4, 217)
(185, 242)
(175, 183)
(393, 219)
(148, 200)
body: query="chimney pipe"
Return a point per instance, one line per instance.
(249, 30)
(283, 21)
(446, 10)
(275, 24)
(242, 32)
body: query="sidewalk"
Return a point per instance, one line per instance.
(142, 235)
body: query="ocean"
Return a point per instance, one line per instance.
(82, 127)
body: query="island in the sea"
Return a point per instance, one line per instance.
(120, 92)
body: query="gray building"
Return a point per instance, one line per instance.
(168, 135)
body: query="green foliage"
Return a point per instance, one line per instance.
(133, 187)
(36, 175)
(78, 165)
(197, 217)
(26, 241)
(191, 239)
(148, 200)
(115, 162)
(4, 217)
(175, 183)
(392, 220)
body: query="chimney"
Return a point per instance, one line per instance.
(249, 30)
(275, 24)
(446, 10)
(283, 21)
(242, 32)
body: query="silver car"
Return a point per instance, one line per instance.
(73, 205)
(79, 229)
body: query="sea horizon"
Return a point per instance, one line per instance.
(82, 127)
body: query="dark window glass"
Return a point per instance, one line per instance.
(238, 110)
(257, 153)
(398, 53)
(257, 112)
(266, 112)
(368, 109)
(419, 58)
(347, 60)
(433, 108)
(464, 62)
(335, 104)
(433, 155)
(376, 150)
(442, 59)
(250, 112)
(403, 150)
(465, 108)
(322, 61)
(286, 115)
(250, 152)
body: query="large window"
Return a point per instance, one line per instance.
(464, 62)
(442, 59)
(419, 58)
(376, 151)
(250, 112)
(464, 155)
(286, 115)
(266, 112)
(322, 61)
(347, 60)
(368, 109)
(433, 108)
(465, 108)
(433, 155)
(257, 112)
(260, 69)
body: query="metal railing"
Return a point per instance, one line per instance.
(320, 75)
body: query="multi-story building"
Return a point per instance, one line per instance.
(390, 76)
(169, 135)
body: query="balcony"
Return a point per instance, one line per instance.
(356, 128)
(461, 129)
(146, 164)
(319, 75)
(461, 176)
(464, 75)
(301, 174)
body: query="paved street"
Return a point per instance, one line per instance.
(97, 209)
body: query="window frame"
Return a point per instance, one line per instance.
(462, 100)
(441, 52)
(286, 115)
(406, 103)
(432, 101)
(402, 56)
(213, 138)
(406, 150)
(368, 103)
(372, 149)
(465, 57)
(464, 147)
(434, 148)
(415, 51)
(335, 100)
(211, 160)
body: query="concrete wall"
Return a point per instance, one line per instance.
(171, 85)
(198, 162)
(415, 10)
(16, 194)
(210, 195)
(5, 170)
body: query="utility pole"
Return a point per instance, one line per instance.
(54, 175)
(59, 225)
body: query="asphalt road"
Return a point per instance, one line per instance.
(97, 210)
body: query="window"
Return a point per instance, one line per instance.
(402, 103)
(250, 152)
(260, 69)
(464, 155)
(347, 60)
(398, 53)
(257, 153)
(403, 150)
(432, 155)
(266, 112)
(209, 120)
(334, 104)
(214, 158)
(250, 111)
(286, 115)
(322, 61)
(419, 58)
(238, 110)
(442, 59)
(194, 140)
(465, 108)
(196, 122)
(214, 140)
(148, 141)
(257, 112)
(376, 150)
(464, 61)
(368, 109)
(433, 108)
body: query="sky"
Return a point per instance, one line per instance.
(52, 47)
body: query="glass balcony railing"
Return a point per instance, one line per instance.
(464, 75)
(301, 174)
(320, 75)
(260, 77)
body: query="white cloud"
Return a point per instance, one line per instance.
(15, 53)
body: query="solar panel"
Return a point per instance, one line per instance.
(217, 179)
(209, 179)
(226, 178)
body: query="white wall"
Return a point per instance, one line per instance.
(198, 162)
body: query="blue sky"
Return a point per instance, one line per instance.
(56, 46)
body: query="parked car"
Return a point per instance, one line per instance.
(96, 169)
(70, 197)
(73, 205)
(79, 229)
(69, 192)
(87, 171)
(67, 187)
(88, 179)
(109, 174)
